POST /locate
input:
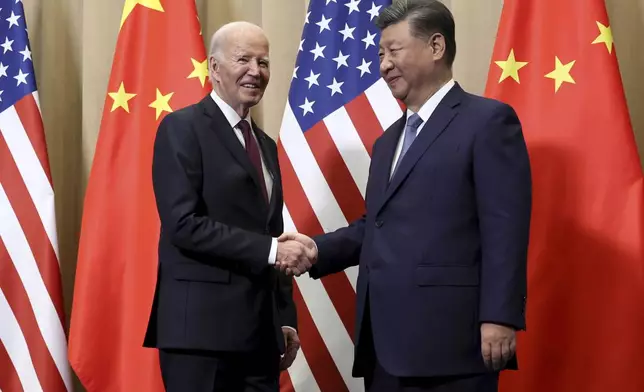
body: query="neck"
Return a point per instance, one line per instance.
(430, 89)
(241, 110)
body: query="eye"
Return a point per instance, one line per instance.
(263, 64)
(242, 60)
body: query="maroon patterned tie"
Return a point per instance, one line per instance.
(252, 149)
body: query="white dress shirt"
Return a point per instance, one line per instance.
(234, 119)
(425, 113)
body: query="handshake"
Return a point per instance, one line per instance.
(296, 253)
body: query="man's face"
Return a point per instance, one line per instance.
(242, 69)
(407, 63)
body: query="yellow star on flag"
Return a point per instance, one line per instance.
(605, 37)
(561, 73)
(121, 99)
(510, 67)
(200, 71)
(162, 103)
(130, 4)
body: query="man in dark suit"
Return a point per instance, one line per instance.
(442, 248)
(223, 314)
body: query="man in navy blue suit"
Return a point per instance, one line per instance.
(442, 247)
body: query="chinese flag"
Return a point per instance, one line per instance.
(554, 62)
(159, 66)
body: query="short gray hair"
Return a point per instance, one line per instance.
(219, 38)
(426, 17)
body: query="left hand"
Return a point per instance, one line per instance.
(292, 346)
(498, 345)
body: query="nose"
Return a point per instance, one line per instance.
(385, 65)
(253, 68)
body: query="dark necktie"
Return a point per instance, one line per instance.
(252, 149)
(413, 123)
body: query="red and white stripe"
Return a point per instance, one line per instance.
(33, 345)
(325, 174)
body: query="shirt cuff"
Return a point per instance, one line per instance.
(286, 326)
(273, 253)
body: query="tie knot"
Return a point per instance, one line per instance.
(244, 126)
(414, 121)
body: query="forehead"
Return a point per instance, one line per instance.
(396, 33)
(248, 42)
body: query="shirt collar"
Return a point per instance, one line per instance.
(428, 107)
(230, 113)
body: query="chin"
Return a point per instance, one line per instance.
(399, 94)
(250, 102)
(252, 98)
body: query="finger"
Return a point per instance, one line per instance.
(506, 353)
(496, 356)
(305, 265)
(486, 352)
(284, 363)
(310, 254)
(286, 237)
(296, 271)
(513, 346)
(287, 361)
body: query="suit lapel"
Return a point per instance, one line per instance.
(437, 123)
(382, 163)
(220, 125)
(271, 167)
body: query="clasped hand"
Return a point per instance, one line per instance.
(296, 253)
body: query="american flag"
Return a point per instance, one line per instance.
(33, 348)
(337, 106)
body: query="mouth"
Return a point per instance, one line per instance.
(393, 79)
(251, 86)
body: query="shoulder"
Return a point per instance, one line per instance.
(177, 129)
(182, 123)
(485, 108)
(185, 115)
(494, 123)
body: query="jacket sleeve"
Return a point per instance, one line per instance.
(341, 249)
(338, 250)
(177, 177)
(503, 194)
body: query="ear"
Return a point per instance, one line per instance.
(213, 68)
(437, 45)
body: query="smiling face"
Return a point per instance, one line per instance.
(409, 64)
(239, 68)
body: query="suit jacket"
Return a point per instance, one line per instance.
(215, 288)
(442, 247)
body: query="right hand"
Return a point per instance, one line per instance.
(306, 260)
(292, 257)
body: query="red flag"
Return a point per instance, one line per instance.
(33, 345)
(159, 66)
(554, 62)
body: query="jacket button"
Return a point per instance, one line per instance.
(379, 223)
